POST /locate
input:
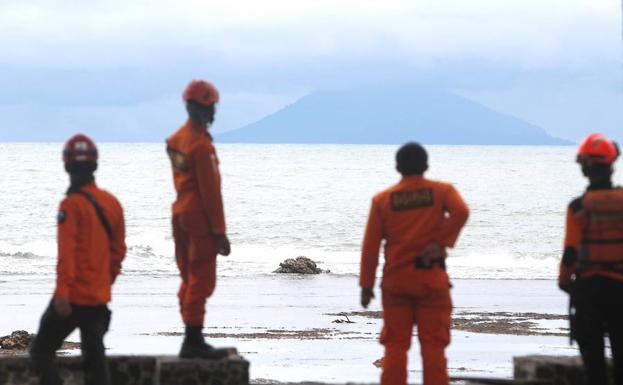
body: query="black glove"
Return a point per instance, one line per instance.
(366, 296)
(222, 245)
(567, 287)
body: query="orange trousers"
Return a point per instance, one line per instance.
(428, 308)
(195, 253)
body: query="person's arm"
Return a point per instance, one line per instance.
(457, 213)
(573, 239)
(208, 180)
(371, 247)
(67, 222)
(117, 244)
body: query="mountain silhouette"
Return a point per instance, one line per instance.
(389, 116)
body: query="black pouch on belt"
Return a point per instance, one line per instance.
(427, 263)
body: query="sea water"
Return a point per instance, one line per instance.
(283, 201)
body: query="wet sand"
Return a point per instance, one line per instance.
(518, 324)
(312, 328)
(504, 323)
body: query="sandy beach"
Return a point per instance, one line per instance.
(311, 328)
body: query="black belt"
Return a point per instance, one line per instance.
(427, 264)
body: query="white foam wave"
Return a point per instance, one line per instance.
(501, 264)
(152, 253)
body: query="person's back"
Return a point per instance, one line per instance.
(413, 216)
(91, 247)
(418, 219)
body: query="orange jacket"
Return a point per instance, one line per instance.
(594, 235)
(408, 216)
(195, 174)
(88, 262)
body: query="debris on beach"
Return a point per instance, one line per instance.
(521, 324)
(299, 265)
(364, 314)
(509, 323)
(343, 321)
(277, 334)
(18, 340)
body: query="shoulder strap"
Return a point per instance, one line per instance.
(576, 205)
(98, 210)
(604, 201)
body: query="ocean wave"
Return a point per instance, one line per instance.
(143, 251)
(21, 255)
(153, 255)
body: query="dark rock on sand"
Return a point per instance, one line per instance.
(18, 340)
(299, 265)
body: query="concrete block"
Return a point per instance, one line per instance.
(136, 370)
(173, 371)
(554, 370)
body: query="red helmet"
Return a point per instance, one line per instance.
(597, 149)
(201, 92)
(79, 148)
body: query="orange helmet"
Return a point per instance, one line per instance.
(597, 149)
(79, 148)
(201, 92)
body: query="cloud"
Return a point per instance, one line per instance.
(118, 67)
(165, 33)
(150, 120)
(569, 108)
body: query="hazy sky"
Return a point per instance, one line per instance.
(119, 66)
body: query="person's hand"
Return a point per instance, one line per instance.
(567, 277)
(567, 283)
(223, 247)
(366, 296)
(62, 307)
(566, 287)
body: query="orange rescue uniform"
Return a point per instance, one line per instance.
(408, 216)
(88, 261)
(197, 216)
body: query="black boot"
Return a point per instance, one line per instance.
(194, 346)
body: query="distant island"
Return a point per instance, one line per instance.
(389, 116)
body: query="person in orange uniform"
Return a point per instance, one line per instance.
(591, 270)
(198, 220)
(418, 219)
(91, 247)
